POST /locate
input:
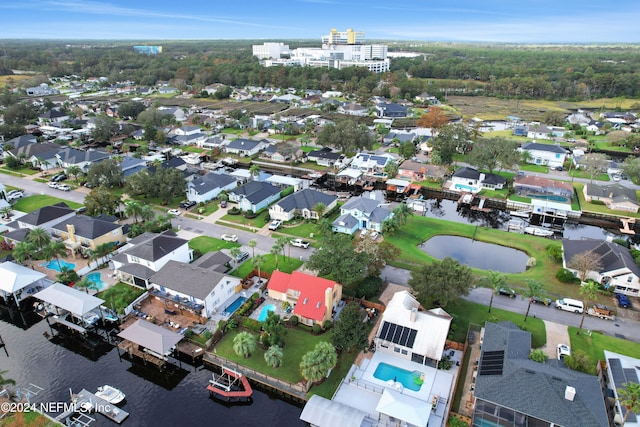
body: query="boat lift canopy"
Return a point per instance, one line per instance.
(150, 336)
(15, 277)
(74, 301)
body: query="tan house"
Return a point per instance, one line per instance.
(313, 299)
(81, 232)
(614, 196)
(415, 171)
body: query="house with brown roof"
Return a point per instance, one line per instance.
(414, 171)
(614, 196)
(313, 298)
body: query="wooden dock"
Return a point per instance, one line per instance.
(626, 222)
(133, 352)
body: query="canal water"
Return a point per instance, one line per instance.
(152, 399)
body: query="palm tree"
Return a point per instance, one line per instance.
(324, 226)
(235, 253)
(85, 284)
(535, 289)
(316, 363)
(275, 250)
(133, 208)
(273, 356)
(252, 244)
(24, 251)
(244, 344)
(254, 171)
(39, 237)
(402, 212)
(101, 251)
(588, 290)
(6, 212)
(629, 398)
(390, 226)
(495, 281)
(55, 250)
(319, 208)
(75, 172)
(147, 213)
(285, 241)
(257, 262)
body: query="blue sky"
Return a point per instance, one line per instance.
(524, 21)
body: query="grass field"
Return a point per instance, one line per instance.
(4, 80)
(204, 244)
(285, 264)
(31, 203)
(594, 343)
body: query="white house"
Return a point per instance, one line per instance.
(301, 203)
(617, 268)
(470, 180)
(361, 213)
(551, 155)
(207, 187)
(245, 147)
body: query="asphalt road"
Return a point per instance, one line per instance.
(621, 327)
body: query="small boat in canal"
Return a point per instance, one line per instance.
(110, 394)
(536, 231)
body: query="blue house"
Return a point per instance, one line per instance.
(207, 187)
(254, 195)
(361, 213)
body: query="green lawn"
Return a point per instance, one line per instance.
(258, 222)
(518, 198)
(465, 312)
(285, 264)
(119, 296)
(309, 148)
(23, 170)
(31, 203)
(305, 229)
(297, 344)
(595, 343)
(579, 173)
(508, 134)
(533, 168)
(204, 244)
(495, 194)
(206, 210)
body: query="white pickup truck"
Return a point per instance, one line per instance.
(300, 243)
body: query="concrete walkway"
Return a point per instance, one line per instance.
(556, 334)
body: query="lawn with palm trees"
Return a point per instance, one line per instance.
(285, 264)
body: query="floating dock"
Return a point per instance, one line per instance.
(87, 402)
(231, 386)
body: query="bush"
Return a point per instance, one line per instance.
(538, 355)
(293, 320)
(369, 287)
(255, 296)
(565, 276)
(579, 361)
(327, 324)
(316, 328)
(250, 214)
(222, 325)
(286, 192)
(554, 252)
(234, 211)
(232, 324)
(251, 324)
(597, 202)
(621, 242)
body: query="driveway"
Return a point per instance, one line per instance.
(556, 334)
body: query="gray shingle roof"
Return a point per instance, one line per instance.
(46, 214)
(537, 389)
(467, 172)
(612, 255)
(188, 279)
(617, 192)
(210, 181)
(152, 247)
(553, 148)
(347, 221)
(243, 144)
(87, 227)
(73, 155)
(256, 191)
(305, 199)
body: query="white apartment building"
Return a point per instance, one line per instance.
(270, 50)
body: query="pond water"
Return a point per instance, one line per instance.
(485, 256)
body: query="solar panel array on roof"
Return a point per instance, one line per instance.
(397, 334)
(620, 377)
(491, 363)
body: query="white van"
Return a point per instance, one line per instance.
(569, 304)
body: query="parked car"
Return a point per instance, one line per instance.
(507, 292)
(223, 204)
(174, 212)
(242, 256)
(623, 300)
(188, 204)
(559, 168)
(545, 301)
(59, 177)
(14, 195)
(53, 184)
(616, 178)
(275, 224)
(229, 237)
(563, 351)
(64, 187)
(299, 243)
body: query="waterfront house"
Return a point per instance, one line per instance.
(408, 332)
(302, 203)
(245, 147)
(325, 157)
(551, 155)
(370, 163)
(313, 298)
(52, 116)
(472, 181)
(512, 389)
(414, 171)
(209, 186)
(542, 131)
(147, 253)
(614, 196)
(82, 232)
(617, 270)
(200, 286)
(361, 213)
(254, 195)
(544, 188)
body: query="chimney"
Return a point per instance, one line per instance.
(570, 393)
(611, 195)
(71, 230)
(414, 314)
(328, 299)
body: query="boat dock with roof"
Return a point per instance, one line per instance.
(231, 386)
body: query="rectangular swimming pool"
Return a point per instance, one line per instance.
(411, 380)
(235, 305)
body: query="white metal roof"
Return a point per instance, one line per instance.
(322, 412)
(397, 405)
(14, 277)
(77, 302)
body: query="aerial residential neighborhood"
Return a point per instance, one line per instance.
(330, 231)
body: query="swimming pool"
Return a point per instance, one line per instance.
(552, 197)
(265, 312)
(53, 265)
(466, 188)
(408, 379)
(96, 280)
(235, 305)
